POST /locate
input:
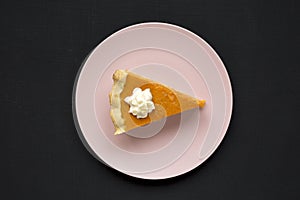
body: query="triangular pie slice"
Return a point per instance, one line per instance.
(167, 101)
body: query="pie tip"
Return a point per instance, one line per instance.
(201, 103)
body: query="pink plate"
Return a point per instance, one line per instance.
(171, 55)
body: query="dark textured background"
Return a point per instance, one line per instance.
(42, 45)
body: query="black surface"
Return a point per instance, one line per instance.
(42, 45)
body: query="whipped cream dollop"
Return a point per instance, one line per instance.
(140, 102)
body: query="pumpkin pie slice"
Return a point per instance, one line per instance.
(166, 101)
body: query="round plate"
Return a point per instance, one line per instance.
(168, 54)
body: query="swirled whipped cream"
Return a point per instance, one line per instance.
(140, 102)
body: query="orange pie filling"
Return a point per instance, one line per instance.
(166, 103)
